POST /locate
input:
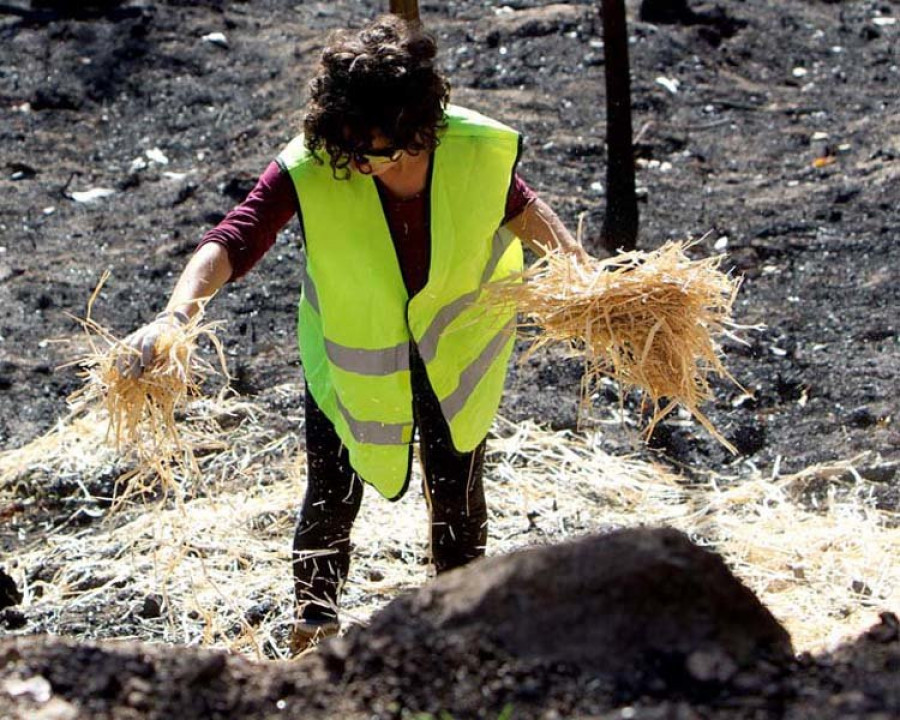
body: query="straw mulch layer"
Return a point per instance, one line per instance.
(649, 320)
(213, 568)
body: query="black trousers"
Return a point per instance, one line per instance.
(453, 486)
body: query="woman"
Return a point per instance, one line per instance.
(408, 206)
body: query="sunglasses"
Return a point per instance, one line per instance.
(378, 157)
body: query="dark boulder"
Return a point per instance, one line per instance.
(641, 607)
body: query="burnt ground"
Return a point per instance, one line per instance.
(780, 145)
(464, 646)
(730, 155)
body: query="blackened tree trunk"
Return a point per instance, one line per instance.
(408, 9)
(620, 223)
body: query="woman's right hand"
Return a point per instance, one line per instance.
(141, 344)
(207, 271)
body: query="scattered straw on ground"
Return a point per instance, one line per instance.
(649, 320)
(813, 545)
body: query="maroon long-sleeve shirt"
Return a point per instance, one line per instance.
(249, 230)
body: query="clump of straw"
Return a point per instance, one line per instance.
(142, 410)
(648, 320)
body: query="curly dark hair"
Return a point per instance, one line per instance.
(379, 78)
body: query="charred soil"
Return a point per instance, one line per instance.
(770, 129)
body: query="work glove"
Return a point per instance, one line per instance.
(142, 343)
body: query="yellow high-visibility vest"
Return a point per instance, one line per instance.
(356, 320)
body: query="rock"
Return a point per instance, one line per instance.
(91, 195)
(259, 612)
(862, 417)
(238, 187)
(216, 38)
(21, 171)
(674, 441)
(152, 607)
(869, 33)
(665, 12)
(642, 605)
(9, 593)
(845, 195)
(13, 619)
(880, 473)
(184, 193)
(214, 217)
(886, 631)
(749, 438)
(58, 94)
(886, 497)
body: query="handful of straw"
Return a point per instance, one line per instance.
(142, 410)
(648, 320)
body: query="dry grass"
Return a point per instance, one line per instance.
(649, 320)
(813, 546)
(216, 560)
(140, 412)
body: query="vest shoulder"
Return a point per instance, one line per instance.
(464, 122)
(296, 155)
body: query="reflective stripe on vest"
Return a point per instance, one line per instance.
(428, 343)
(390, 360)
(469, 378)
(381, 361)
(356, 322)
(372, 431)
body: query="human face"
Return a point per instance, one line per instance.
(379, 158)
(374, 161)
